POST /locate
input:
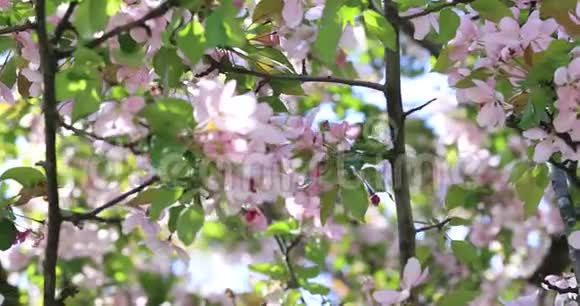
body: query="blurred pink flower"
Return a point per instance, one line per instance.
(422, 24)
(292, 12)
(412, 277)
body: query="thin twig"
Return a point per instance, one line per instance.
(93, 215)
(438, 226)
(18, 28)
(154, 13)
(418, 108)
(437, 8)
(302, 78)
(49, 68)
(64, 22)
(132, 146)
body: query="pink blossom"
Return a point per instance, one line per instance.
(567, 120)
(412, 277)
(491, 113)
(302, 206)
(567, 80)
(117, 119)
(422, 24)
(29, 48)
(6, 94)
(135, 78)
(35, 77)
(219, 109)
(4, 4)
(465, 39)
(548, 144)
(296, 42)
(292, 12)
(537, 33)
(256, 220)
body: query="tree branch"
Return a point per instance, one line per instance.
(302, 78)
(438, 226)
(418, 108)
(567, 210)
(436, 8)
(49, 68)
(64, 22)
(18, 28)
(392, 92)
(132, 146)
(76, 218)
(154, 13)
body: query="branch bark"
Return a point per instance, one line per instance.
(154, 13)
(18, 28)
(392, 92)
(302, 78)
(76, 218)
(49, 68)
(434, 9)
(567, 210)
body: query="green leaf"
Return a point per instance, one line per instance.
(192, 42)
(327, 204)
(288, 227)
(449, 22)
(8, 73)
(190, 222)
(26, 176)
(287, 87)
(530, 187)
(8, 233)
(222, 27)
(443, 61)
(457, 297)
(561, 10)
(463, 196)
(315, 288)
(174, 213)
(317, 250)
(493, 10)
(267, 9)
(465, 252)
(161, 199)
(86, 103)
(377, 27)
(307, 272)
(355, 200)
(168, 66)
(90, 17)
(275, 271)
(275, 103)
(329, 33)
(169, 116)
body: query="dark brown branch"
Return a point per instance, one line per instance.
(49, 68)
(18, 28)
(76, 218)
(132, 146)
(438, 226)
(418, 108)
(64, 22)
(436, 8)
(302, 78)
(154, 13)
(392, 92)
